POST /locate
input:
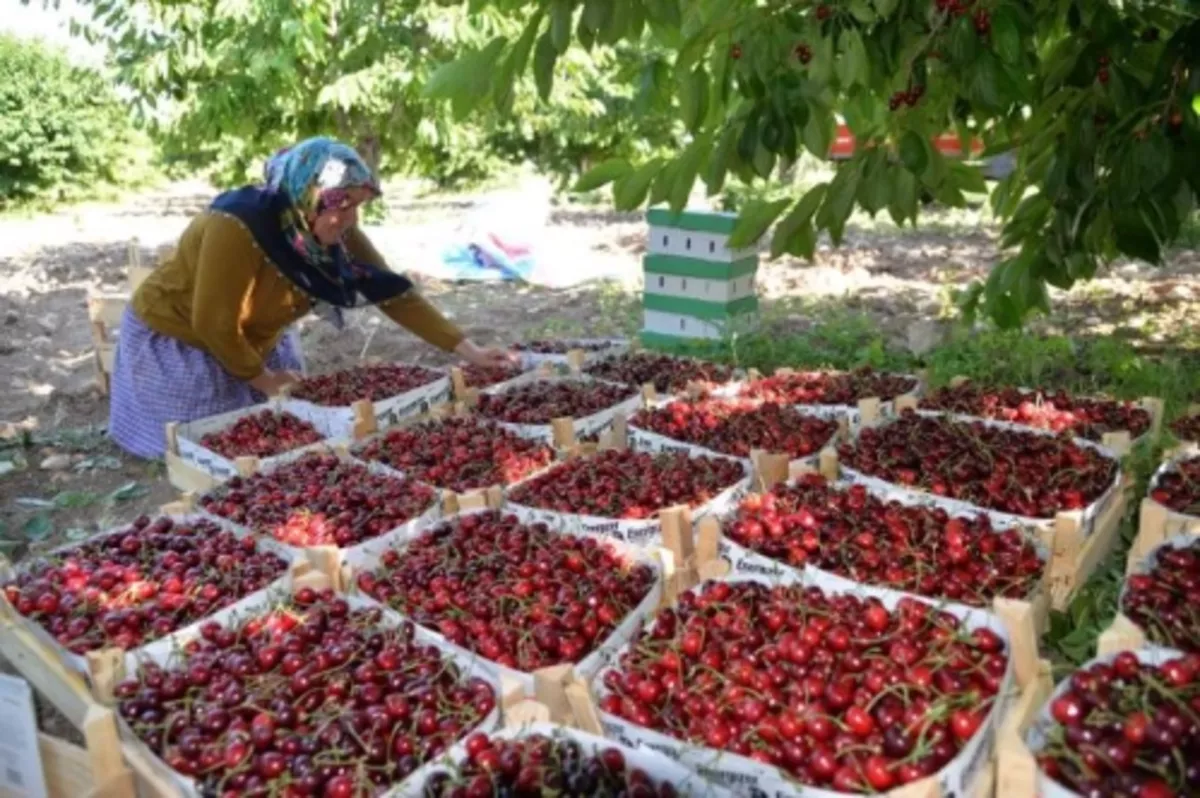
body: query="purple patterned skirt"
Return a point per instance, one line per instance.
(158, 379)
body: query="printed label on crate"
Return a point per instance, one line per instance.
(612, 348)
(641, 440)
(338, 422)
(639, 532)
(21, 770)
(745, 561)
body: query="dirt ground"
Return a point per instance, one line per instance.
(65, 480)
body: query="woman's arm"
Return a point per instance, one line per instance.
(410, 310)
(226, 266)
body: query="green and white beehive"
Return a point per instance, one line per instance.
(696, 287)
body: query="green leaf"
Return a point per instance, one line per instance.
(1134, 236)
(862, 11)
(821, 68)
(603, 174)
(839, 200)
(983, 89)
(597, 14)
(686, 170)
(693, 98)
(914, 152)
(629, 191)
(949, 195)
(819, 132)
(514, 65)
(451, 79)
(764, 162)
(127, 492)
(852, 66)
(800, 216)
(903, 196)
(1196, 104)
(874, 189)
(561, 12)
(718, 162)
(1006, 34)
(885, 7)
(661, 188)
(75, 499)
(1152, 160)
(968, 178)
(753, 221)
(37, 527)
(544, 58)
(748, 140)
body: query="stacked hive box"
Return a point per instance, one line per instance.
(696, 287)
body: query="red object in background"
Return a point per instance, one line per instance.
(948, 144)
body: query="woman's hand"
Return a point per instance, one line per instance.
(273, 382)
(485, 356)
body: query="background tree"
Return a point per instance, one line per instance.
(62, 129)
(1098, 102)
(226, 83)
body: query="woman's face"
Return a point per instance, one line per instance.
(331, 224)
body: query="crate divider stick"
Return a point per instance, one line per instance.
(677, 532)
(576, 359)
(620, 432)
(649, 393)
(526, 712)
(186, 503)
(549, 688)
(563, 432)
(1122, 635)
(365, 423)
(180, 472)
(458, 382)
(106, 667)
(769, 469)
(583, 707)
(828, 463)
(678, 540)
(1016, 770)
(868, 411)
(670, 576)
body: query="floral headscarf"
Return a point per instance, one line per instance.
(312, 176)
(316, 175)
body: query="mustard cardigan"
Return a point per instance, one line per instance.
(219, 293)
